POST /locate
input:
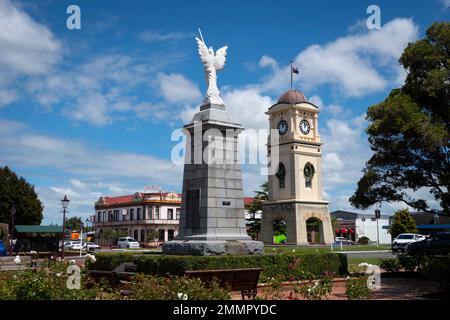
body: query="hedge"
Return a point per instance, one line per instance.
(284, 267)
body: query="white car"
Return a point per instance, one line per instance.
(343, 240)
(90, 246)
(403, 239)
(127, 242)
(73, 245)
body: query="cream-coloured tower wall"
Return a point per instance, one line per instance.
(301, 197)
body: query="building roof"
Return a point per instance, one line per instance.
(292, 97)
(38, 229)
(139, 196)
(353, 215)
(248, 200)
(118, 200)
(423, 218)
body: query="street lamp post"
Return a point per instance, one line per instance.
(377, 216)
(64, 204)
(13, 215)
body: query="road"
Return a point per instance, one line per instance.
(369, 254)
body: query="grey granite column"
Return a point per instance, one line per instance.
(212, 220)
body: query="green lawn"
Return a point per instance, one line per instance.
(311, 249)
(353, 263)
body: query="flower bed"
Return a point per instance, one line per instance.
(283, 267)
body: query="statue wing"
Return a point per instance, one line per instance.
(221, 54)
(203, 52)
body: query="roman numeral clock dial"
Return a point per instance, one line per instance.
(282, 127)
(305, 126)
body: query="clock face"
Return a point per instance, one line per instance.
(282, 127)
(304, 126)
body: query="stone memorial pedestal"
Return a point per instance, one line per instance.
(212, 219)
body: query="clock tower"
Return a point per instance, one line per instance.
(295, 190)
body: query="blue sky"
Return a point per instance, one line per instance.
(90, 112)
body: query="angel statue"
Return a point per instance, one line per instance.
(212, 63)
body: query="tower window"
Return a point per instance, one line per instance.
(308, 171)
(281, 175)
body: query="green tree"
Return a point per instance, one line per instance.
(74, 223)
(409, 132)
(153, 235)
(16, 191)
(402, 223)
(261, 196)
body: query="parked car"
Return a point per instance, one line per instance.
(90, 246)
(399, 244)
(127, 242)
(437, 245)
(343, 240)
(2, 249)
(73, 245)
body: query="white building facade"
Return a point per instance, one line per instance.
(140, 214)
(354, 226)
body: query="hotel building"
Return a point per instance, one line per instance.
(139, 214)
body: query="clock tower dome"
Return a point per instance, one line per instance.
(295, 190)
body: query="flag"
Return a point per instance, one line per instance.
(295, 70)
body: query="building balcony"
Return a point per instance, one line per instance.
(136, 222)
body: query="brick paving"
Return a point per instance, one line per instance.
(391, 289)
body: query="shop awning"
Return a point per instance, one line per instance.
(433, 226)
(344, 230)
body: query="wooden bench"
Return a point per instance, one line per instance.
(8, 264)
(243, 280)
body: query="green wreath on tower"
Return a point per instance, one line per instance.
(309, 170)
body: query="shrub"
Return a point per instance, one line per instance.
(356, 288)
(412, 263)
(390, 264)
(316, 289)
(50, 283)
(438, 269)
(109, 261)
(363, 240)
(286, 266)
(149, 287)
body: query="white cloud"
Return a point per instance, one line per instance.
(27, 47)
(345, 151)
(20, 148)
(92, 108)
(248, 107)
(175, 88)
(445, 4)
(78, 184)
(267, 61)
(7, 96)
(149, 36)
(354, 65)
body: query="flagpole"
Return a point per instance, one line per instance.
(291, 74)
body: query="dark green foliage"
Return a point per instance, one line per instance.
(438, 269)
(255, 206)
(409, 132)
(402, 223)
(356, 288)
(390, 264)
(74, 223)
(363, 240)
(111, 235)
(149, 287)
(16, 191)
(282, 266)
(109, 261)
(405, 263)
